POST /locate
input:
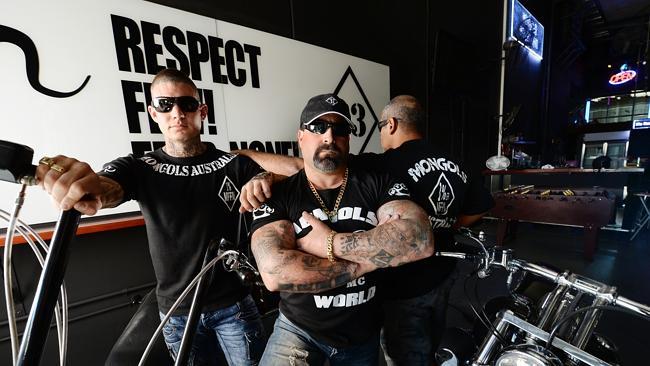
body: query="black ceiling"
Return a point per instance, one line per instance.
(622, 19)
(620, 10)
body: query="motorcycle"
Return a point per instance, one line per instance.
(555, 328)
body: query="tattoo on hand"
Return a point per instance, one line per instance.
(382, 259)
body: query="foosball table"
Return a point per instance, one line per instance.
(589, 208)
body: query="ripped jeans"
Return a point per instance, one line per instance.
(291, 346)
(237, 328)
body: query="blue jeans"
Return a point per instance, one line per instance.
(290, 345)
(413, 327)
(237, 328)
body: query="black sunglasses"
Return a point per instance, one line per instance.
(165, 104)
(384, 122)
(319, 127)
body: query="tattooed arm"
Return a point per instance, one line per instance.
(396, 242)
(405, 236)
(284, 268)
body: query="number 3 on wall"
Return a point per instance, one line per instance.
(359, 112)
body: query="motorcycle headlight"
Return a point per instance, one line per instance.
(527, 356)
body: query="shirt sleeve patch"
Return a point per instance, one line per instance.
(399, 190)
(262, 212)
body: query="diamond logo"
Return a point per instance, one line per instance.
(228, 193)
(442, 196)
(362, 114)
(332, 101)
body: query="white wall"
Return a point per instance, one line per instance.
(75, 39)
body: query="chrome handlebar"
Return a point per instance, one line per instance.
(503, 258)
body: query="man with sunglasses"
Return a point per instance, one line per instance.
(319, 238)
(177, 188)
(415, 310)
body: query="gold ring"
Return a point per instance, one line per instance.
(51, 164)
(47, 161)
(57, 167)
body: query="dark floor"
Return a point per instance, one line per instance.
(617, 262)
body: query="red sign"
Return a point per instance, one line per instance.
(622, 77)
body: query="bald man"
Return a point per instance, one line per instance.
(418, 292)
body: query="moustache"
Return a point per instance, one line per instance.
(328, 147)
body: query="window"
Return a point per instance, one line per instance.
(619, 108)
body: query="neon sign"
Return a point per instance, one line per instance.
(622, 77)
(525, 29)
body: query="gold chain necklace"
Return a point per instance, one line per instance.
(331, 214)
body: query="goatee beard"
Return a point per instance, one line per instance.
(332, 159)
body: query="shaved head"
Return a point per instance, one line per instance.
(408, 110)
(174, 76)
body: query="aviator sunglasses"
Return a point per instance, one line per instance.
(319, 127)
(165, 104)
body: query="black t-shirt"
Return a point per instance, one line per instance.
(347, 315)
(186, 203)
(445, 191)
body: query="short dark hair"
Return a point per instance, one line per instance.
(174, 76)
(408, 110)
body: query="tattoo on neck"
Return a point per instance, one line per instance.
(184, 150)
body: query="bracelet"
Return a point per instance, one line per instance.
(330, 249)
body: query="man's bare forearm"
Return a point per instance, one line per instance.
(403, 240)
(284, 268)
(325, 275)
(278, 164)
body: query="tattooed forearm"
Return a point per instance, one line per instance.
(283, 268)
(326, 284)
(396, 242)
(315, 275)
(112, 192)
(349, 244)
(267, 243)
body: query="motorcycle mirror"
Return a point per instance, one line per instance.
(16, 163)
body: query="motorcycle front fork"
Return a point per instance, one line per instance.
(506, 319)
(491, 343)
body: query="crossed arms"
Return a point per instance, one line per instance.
(291, 265)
